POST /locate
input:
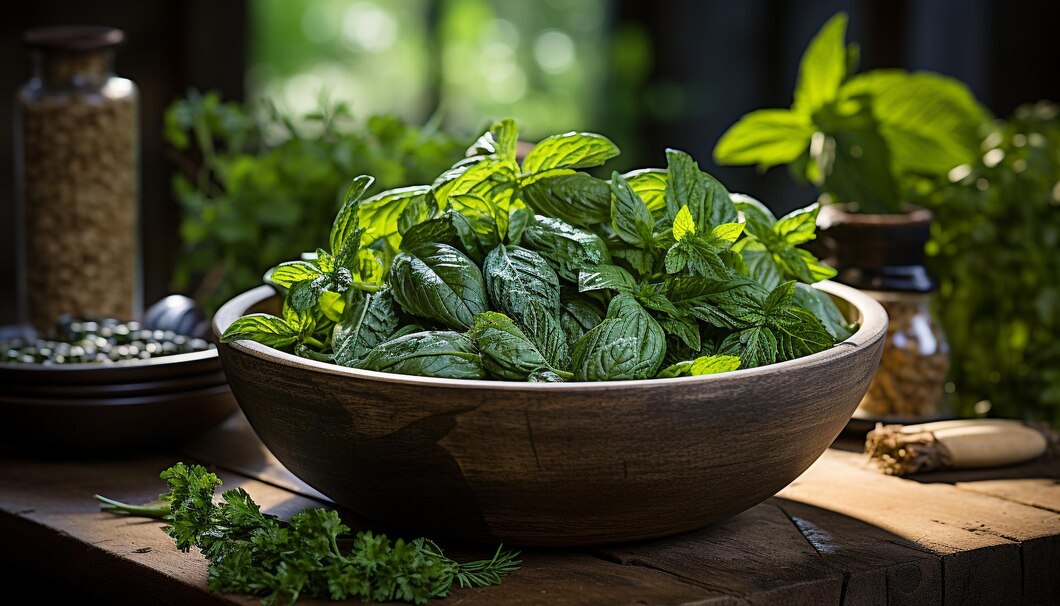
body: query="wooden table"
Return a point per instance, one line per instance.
(840, 534)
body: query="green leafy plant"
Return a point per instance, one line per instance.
(255, 553)
(878, 139)
(538, 272)
(251, 189)
(994, 248)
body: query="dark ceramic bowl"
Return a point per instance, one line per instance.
(550, 463)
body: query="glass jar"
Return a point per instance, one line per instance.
(884, 256)
(911, 377)
(77, 170)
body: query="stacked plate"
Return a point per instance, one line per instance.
(122, 405)
(135, 403)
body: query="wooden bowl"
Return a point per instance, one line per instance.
(550, 463)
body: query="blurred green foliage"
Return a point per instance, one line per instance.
(996, 251)
(251, 190)
(546, 62)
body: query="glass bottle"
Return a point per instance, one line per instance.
(77, 169)
(884, 256)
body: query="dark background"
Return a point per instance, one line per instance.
(721, 59)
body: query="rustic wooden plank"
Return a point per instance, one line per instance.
(48, 517)
(877, 567)
(1043, 493)
(570, 579)
(758, 556)
(993, 550)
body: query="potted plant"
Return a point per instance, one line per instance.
(876, 145)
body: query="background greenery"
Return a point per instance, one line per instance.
(996, 251)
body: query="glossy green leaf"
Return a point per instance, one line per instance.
(823, 66)
(799, 333)
(368, 320)
(578, 199)
(798, 227)
(930, 121)
(487, 218)
(442, 354)
(507, 353)
(629, 344)
(630, 217)
(262, 328)
(579, 315)
(568, 249)
(706, 198)
(606, 277)
(288, 274)
(378, 215)
(824, 308)
(570, 150)
(684, 224)
(650, 185)
(438, 282)
(755, 346)
(500, 140)
(348, 217)
(766, 137)
(516, 276)
(703, 365)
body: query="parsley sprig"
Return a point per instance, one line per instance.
(255, 553)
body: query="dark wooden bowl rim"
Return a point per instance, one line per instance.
(871, 315)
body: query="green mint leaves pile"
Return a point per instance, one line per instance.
(255, 553)
(539, 272)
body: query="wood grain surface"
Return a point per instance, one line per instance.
(550, 464)
(840, 534)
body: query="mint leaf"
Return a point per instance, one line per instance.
(797, 227)
(368, 320)
(606, 277)
(569, 150)
(823, 67)
(628, 344)
(575, 198)
(487, 218)
(799, 333)
(703, 365)
(262, 328)
(767, 137)
(288, 274)
(523, 286)
(650, 185)
(684, 224)
(507, 353)
(438, 282)
(347, 219)
(630, 217)
(756, 346)
(378, 215)
(568, 249)
(499, 140)
(515, 276)
(706, 198)
(822, 306)
(427, 354)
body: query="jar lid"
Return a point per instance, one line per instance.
(871, 241)
(902, 278)
(73, 37)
